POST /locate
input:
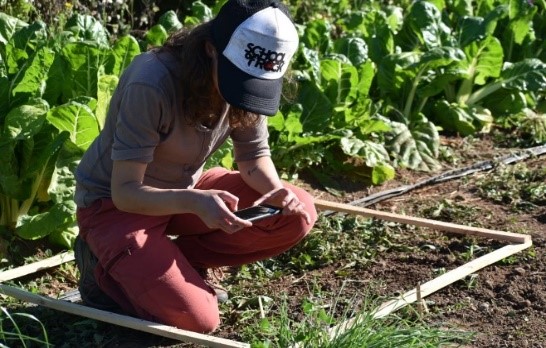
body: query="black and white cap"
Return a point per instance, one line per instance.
(255, 41)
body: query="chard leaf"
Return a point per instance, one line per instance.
(125, 50)
(392, 73)
(521, 15)
(201, 11)
(25, 121)
(484, 60)
(372, 153)
(223, 156)
(317, 108)
(87, 28)
(525, 75)
(472, 29)
(276, 122)
(8, 26)
(106, 86)
(376, 27)
(31, 79)
(506, 102)
(293, 125)
(156, 36)
(58, 217)
(353, 48)
(312, 58)
(338, 81)
(382, 173)
(416, 146)
(169, 20)
(58, 84)
(84, 61)
(423, 26)
(78, 120)
(64, 237)
(317, 35)
(23, 44)
(465, 120)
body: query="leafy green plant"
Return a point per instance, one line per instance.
(54, 95)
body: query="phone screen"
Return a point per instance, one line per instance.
(258, 212)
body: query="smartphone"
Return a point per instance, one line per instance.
(258, 212)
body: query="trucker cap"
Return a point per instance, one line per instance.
(255, 41)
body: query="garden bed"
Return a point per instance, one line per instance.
(343, 271)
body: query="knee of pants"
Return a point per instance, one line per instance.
(207, 319)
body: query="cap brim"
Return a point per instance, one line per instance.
(239, 89)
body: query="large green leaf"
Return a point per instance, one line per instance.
(376, 28)
(125, 50)
(353, 48)
(415, 146)
(156, 36)
(339, 81)
(317, 108)
(23, 44)
(30, 81)
(85, 61)
(78, 119)
(371, 152)
(525, 75)
(105, 89)
(317, 35)
(169, 20)
(521, 15)
(59, 81)
(8, 26)
(25, 121)
(87, 28)
(465, 120)
(484, 59)
(423, 27)
(483, 62)
(40, 225)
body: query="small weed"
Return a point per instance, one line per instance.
(314, 327)
(518, 186)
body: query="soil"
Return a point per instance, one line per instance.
(504, 304)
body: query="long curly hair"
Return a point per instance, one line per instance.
(201, 97)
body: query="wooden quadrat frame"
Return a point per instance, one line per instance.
(519, 243)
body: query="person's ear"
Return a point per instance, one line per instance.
(210, 49)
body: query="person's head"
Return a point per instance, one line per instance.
(250, 44)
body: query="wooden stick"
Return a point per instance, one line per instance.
(36, 266)
(439, 225)
(419, 299)
(436, 284)
(121, 320)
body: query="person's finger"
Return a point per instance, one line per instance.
(229, 199)
(263, 198)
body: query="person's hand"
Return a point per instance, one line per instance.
(215, 207)
(286, 199)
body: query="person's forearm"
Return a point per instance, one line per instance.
(137, 198)
(260, 174)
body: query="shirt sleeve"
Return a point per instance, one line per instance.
(138, 122)
(252, 142)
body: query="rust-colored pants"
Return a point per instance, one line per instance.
(153, 276)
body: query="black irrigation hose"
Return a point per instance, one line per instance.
(451, 174)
